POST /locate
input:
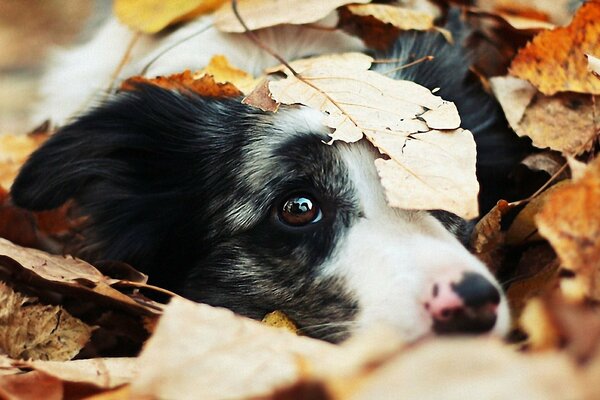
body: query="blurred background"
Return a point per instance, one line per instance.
(29, 31)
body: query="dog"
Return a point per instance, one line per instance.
(250, 210)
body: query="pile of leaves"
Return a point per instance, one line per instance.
(72, 330)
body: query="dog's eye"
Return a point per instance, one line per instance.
(300, 210)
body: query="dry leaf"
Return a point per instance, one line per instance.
(220, 355)
(260, 97)
(570, 220)
(258, 14)
(223, 72)
(547, 161)
(101, 372)
(555, 60)
(278, 319)
(593, 64)
(151, 16)
(535, 275)
(399, 17)
(14, 150)
(186, 81)
(31, 386)
(487, 238)
(31, 330)
(537, 321)
(532, 114)
(523, 229)
(427, 168)
(459, 369)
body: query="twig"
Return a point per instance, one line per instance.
(123, 62)
(172, 46)
(410, 64)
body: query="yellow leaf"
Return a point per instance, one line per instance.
(258, 14)
(570, 220)
(427, 168)
(223, 72)
(278, 319)
(151, 16)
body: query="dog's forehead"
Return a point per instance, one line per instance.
(285, 152)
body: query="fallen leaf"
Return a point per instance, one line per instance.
(260, 97)
(537, 321)
(555, 60)
(547, 161)
(558, 12)
(31, 386)
(487, 238)
(535, 275)
(535, 115)
(223, 72)
(400, 17)
(570, 220)
(593, 64)
(258, 14)
(463, 368)
(32, 330)
(426, 168)
(524, 23)
(523, 228)
(151, 16)
(14, 150)
(186, 82)
(223, 355)
(278, 319)
(106, 373)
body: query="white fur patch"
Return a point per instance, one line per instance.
(391, 258)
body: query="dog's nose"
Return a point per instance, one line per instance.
(467, 306)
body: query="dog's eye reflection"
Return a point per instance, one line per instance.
(299, 210)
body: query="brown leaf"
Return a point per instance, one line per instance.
(533, 114)
(224, 355)
(555, 60)
(101, 372)
(463, 368)
(535, 275)
(186, 82)
(427, 168)
(523, 228)
(31, 386)
(30, 330)
(261, 98)
(487, 237)
(264, 13)
(570, 220)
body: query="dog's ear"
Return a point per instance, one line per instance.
(148, 134)
(141, 166)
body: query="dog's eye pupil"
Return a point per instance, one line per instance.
(299, 210)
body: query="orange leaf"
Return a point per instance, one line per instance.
(185, 81)
(555, 60)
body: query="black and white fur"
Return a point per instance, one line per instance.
(188, 189)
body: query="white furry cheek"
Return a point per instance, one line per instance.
(390, 273)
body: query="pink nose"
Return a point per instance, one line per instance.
(466, 306)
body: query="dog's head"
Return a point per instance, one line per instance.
(252, 211)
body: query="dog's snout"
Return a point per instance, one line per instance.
(467, 306)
